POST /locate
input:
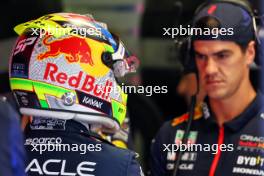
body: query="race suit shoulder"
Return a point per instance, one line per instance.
(68, 148)
(12, 155)
(236, 148)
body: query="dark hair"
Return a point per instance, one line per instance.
(211, 22)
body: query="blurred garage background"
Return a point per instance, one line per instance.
(140, 25)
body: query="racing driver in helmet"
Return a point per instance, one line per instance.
(63, 73)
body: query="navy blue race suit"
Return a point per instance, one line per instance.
(12, 155)
(236, 148)
(73, 150)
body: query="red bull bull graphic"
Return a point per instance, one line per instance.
(74, 48)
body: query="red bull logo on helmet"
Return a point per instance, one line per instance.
(74, 48)
(81, 81)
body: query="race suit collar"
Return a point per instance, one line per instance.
(74, 126)
(45, 123)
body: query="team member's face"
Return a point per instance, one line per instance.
(223, 67)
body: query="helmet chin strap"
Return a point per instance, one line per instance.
(86, 118)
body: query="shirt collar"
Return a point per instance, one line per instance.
(253, 110)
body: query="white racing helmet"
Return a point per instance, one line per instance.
(65, 65)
